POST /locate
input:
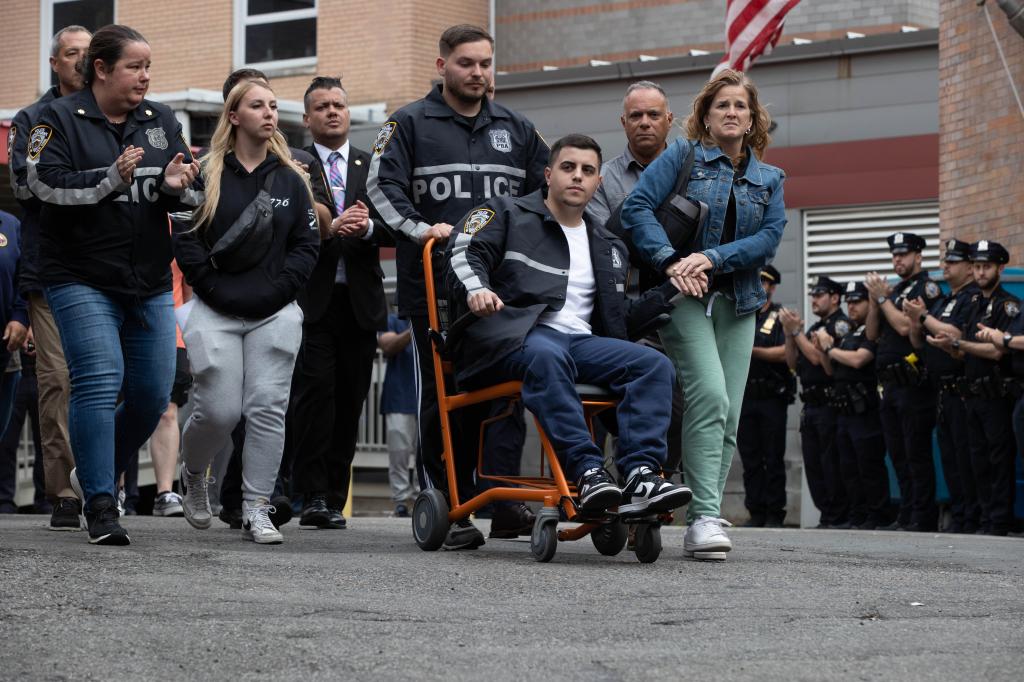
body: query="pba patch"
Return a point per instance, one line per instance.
(157, 138)
(3, 240)
(501, 140)
(11, 134)
(842, 328)
(477, 220)
(37, 140)
(384, 136)
(931, 290)
(1011, 308)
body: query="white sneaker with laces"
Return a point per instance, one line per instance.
(706, 540)
(168, 504)
(77, 487)
(195, 498)
(256, 523)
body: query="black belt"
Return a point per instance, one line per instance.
(816, 396)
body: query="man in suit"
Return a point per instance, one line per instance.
(344, 308)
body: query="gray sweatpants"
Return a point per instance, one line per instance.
(240, 368)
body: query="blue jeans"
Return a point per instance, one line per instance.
(550, 363)
(113, 344)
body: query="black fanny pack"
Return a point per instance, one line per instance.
(681, 218)
(247, 241)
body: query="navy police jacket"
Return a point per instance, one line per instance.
(95, 228)
(431, 165)
(17, 144)
(515, 248)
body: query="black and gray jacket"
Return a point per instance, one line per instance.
(95, 228)
(263, 290)
(17, 143)
(515, 248)
(430, 165)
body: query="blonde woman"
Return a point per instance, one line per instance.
(244, 330)
(710, 338)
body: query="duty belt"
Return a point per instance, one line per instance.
(816, 396)
(762, 388)
(954, 384)
(901, 373)
(854, 398)
(996, 387)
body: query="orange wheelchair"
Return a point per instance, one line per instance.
(432, 514)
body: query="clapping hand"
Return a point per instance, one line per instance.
(178, 175)
(128, 160)
(791, 321)
(353, 222)
(877, 286)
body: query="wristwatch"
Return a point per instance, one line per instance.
(795, 334)
(1007, 337)
(924, 316)
(881, 299)
(956, 344)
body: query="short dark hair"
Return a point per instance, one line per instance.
(107, 45)
(321, 83)
(454, 36)
(576, 141)
(242, 75)
(55, 43)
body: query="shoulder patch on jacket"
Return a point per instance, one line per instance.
(477, 220)
(314, 224)
(1011, 309)
(384, 136)
(842, 328)
(11, 134)
(932, 290)
(37, 140)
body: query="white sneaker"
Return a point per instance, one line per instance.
(195, 498)
(120, 501)
(77, 487)
(705, 539)
(256, 523)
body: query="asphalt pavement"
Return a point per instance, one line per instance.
(366, 603)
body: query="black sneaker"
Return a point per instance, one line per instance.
(232, 517)
(103, 526)
(597, 490)
(65, 514)
(316, 513)
(511, 521)
(463, 535)
(648, 493)
(282, 513)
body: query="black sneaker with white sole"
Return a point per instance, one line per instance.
(648, 493)
(104, 528)
(597, 490)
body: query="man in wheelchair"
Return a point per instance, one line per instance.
(547, 285)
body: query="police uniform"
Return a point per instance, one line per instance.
(761, 434)
(431, 165)
(516, 249)
(946, 376)
(990, 401)
(859, 440)
(908, 402)
(818, 420)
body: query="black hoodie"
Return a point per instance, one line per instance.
(268, 287)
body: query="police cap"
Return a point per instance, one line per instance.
(855, 291)
(986, 251)
(769, 273)
(905, 242)
(826, 285)
(957, 251)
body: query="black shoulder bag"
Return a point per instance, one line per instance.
(680, 217)
(247, 241)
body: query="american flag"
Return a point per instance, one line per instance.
(752, 28)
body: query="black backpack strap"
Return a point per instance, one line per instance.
(683, 179)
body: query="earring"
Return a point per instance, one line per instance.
(707, 127)
(748, 131)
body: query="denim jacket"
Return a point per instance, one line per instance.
(760, 215)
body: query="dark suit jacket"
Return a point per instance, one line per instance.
(362, 262)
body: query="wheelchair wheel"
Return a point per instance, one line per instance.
(648, 543)
(430, 519)
(609, 538)
(544, 538)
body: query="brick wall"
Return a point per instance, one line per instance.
(534, 33)
(385, 50)
(981, 130)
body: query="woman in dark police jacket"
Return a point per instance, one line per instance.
(108, 165)
(710, 338)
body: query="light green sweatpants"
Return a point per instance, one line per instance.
(712, 358)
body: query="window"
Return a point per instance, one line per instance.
(56, 14)
(276, 35)
(847, 243)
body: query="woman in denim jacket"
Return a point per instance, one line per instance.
(710, 337)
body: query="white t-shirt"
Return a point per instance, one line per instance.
(574, 317)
